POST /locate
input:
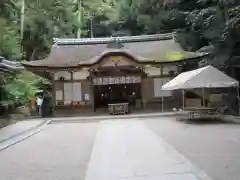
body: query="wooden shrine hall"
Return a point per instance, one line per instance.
(90, 74)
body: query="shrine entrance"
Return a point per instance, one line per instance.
(118, 93)
(117, 79)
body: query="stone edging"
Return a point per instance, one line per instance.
(100, 118)
(12, 140)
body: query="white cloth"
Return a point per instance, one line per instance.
(206, 77)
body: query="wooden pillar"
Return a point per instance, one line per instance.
(90, 92)
(162, 98)
(238, 100)
(183, 100)
(54, 93)
(161, 70)
(203, 97)
(53, 89)
(92, 95)
(143, 93)
(72, 89)
(233, 72)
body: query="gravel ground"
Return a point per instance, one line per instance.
(60, 152)
(215, 148)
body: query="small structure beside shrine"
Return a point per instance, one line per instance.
(88, 74)
(7, 66)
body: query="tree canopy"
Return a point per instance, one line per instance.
(44, 20)
(198, 23)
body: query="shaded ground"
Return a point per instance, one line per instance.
(60, 152)
(5, 122)
(17, 128)
(214, 147)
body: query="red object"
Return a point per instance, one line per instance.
(33, 102)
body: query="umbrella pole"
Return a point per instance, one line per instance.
(183, 100)
(203, 97)
(238, 100)
(162, 103)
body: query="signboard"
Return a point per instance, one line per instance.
(158, 83)
(122, 80)
(117, 80)
(59, 95)
(105, 81)
(77, 92)
(68, 92)
(86, 97)
(152, 71)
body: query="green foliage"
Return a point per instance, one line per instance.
(213, 22)
(9, 40)
(47, 19)
(149, 16)
(9, 37)
(198, 23)
(22, 87)
(44, 20)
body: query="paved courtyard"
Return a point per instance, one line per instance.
(60, 152)
(214, 147)
(128, 149)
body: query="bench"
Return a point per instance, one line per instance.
(194, 112)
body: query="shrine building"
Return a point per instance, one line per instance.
(87, 74)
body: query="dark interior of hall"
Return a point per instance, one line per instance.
(116, 93)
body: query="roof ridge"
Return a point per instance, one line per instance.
(122, 39)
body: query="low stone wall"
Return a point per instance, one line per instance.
(72, 111)
(4, 122)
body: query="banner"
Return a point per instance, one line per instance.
(117, 80)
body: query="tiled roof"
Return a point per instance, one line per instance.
(158, 48)
(7, 66)
(106, 40)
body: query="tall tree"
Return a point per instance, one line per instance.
(214, 22)
(44, 20)
(9, 36)
(198, 23)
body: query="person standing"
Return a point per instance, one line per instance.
(47, 105)
(39, 104)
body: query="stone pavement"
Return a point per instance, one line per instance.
(117, 149)
(128, 150)
(18, 128)
(59, 152)
(15, 133)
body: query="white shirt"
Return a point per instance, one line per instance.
(39, 101)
